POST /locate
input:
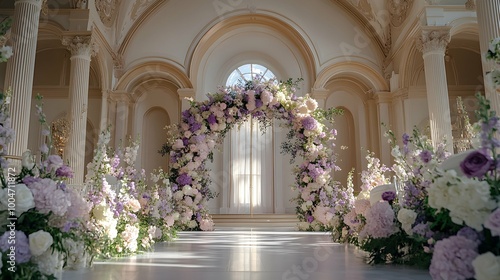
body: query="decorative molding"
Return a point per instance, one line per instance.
(107, 10)
(80, 45)
(434, 39)
(79, 4)
(399, 10)
(470, 5)
(118, 65)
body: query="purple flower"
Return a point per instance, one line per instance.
(388, 196)
(28, 180)
(115, 161)
(52, 163)
(452, 258)
(469, 233)
(211, 119)
(175, 187)
(309, 218)
(184, 179)
(309, 123)
(493, 222)
(406, 139)
(476, 164)
(64, 171)
(425, 156)
(194, 127)
(22, 247)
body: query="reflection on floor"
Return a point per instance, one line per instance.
(247, 254)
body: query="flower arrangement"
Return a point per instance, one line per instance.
(205, 124)
(493, 52)
(471, 203)
(41, 216)
(123, 220)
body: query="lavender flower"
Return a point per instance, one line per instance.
(493, 222)
(22, 247)
(309, 123)
(64, 171)
(426, 156)
(406, 139)
(211, 119)
(184, 179)
(476, 164)
(452, 258)
(309, 218)
(469, 233)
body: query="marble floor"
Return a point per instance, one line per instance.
(247, 254)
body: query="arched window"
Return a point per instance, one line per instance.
(252, 154)
(247, 72)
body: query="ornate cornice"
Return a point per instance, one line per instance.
(399, 10)
(80, 45)
(107, 10)
(118, 65)
(434, 39)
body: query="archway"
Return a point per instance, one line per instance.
(205, 124)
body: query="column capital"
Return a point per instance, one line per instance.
(434, 38)
(470, 5)
(186, 93)
(80, 44)
(119, 96)
(319, 93)
(383, 97)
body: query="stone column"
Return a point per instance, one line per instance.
(384, 100)
(320, 95)
(433, 46)
(488, 19)
(374, 126)
(183, 94)
(121, 122)
(81, 52)
(104, 111)
(21, 68)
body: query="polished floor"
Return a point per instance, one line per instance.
(248, 254)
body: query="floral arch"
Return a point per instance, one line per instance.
(204, 125)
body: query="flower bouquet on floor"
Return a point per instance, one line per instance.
(41, 216)
(470, 202)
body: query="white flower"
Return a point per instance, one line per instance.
(39, 242)
(102, 212)
(24, 199)
(76, 256)
(266, 97)
(48, 262)
(487, 267)
(192, 224)
(6, 52)
(134, 205)
(311, 104)
(302, 110)
(207, 225)
(27, 161)
(494, 45)
(407, 217)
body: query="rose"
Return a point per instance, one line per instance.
(493, 222)
(476, 164)
(486, 267)
(40, 241)
(24, 199)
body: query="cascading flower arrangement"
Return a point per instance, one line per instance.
(204, 125)
(119, 224)
(42, 218)
(472, 203)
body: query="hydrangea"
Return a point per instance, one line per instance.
(452, 259)
(379, 221)
(22, 250)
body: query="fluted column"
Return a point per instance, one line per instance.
(20, 70)
(433, 46)
(488, 19)
(384, 100)
(81, 52)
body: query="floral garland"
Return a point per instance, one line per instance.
(41, 234)
(205, 124)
